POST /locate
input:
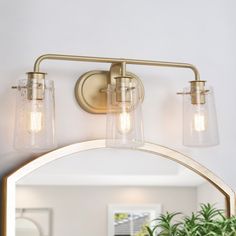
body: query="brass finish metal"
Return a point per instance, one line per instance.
(113, 61)
(197, 92)
(89, 101)
(88, 91)
(9, 181)
(123, 69)
(36, 75)
(35, 85)
(123, 85)
(91, 89)
(116, 71)
(4, 204)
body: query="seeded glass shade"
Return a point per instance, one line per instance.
(35, 119)
(124, 117)
(199, 121)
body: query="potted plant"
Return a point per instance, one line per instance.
(208, 221)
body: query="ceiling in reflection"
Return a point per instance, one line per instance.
(113, 167)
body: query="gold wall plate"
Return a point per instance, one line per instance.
(88, 90)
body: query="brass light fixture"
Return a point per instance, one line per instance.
(124, 115)
(118, 93)
(199, 116)
(34, 122)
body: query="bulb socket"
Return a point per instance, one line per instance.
(124, 85)
(35, 85)
(198, 92)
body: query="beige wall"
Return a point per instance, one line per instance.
(157, 30)
(83, 210)
(207, 193)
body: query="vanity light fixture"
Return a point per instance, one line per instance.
(199, 116)
(35, 114)
(116, 92)
(124, 115)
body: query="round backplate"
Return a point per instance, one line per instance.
(88, 90)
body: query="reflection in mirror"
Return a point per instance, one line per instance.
(40, 217)
(131, 219)
(26, 227)
(81, 188)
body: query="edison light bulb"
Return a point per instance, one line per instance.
(35, 117)
(124, 123)
(199, 122)
(35, 122)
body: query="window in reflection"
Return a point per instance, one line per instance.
(130, 220)
(131, 224)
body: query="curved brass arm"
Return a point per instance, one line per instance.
(115, 60)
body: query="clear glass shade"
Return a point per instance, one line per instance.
(199, 121)
(124, 117)
(35, 119)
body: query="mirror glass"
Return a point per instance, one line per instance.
(112, 191)
(26, 227)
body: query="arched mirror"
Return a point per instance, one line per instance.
(94, 190)
(26, 227)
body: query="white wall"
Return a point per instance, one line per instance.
(83, 210)
(197, 31)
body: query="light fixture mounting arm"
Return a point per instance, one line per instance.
(114, 61)
(89, 87)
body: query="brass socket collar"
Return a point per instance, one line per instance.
(36, 85)
(36, 75)
(198, 92)
(123, 87)
(123, 79)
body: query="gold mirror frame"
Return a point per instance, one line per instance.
(9, 181)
